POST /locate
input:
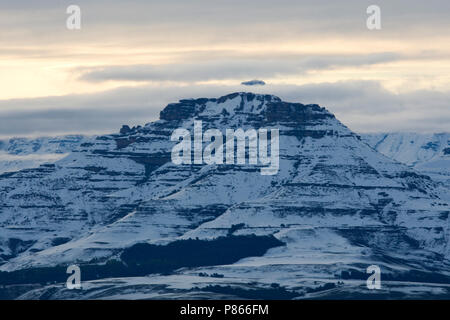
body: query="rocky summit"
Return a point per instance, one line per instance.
(140, 226)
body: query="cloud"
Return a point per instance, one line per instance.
(232, 69)
(299, 17)
(253, 83)
(364, 106)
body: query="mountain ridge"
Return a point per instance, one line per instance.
(336, 202)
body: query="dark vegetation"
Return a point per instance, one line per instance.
(143, 258)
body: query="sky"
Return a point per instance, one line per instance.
(131, 58)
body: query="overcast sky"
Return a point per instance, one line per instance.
(131, 58)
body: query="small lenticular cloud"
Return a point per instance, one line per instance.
(253, 83)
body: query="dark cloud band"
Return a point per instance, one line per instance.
(362, 105)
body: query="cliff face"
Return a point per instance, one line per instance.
(336, 203)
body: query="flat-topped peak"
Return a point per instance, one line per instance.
(248, 96)
(239, 103)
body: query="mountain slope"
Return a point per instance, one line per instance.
(336, 203)
(426, 153)
(24, 153)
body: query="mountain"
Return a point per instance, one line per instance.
(140, 226)
(426, 153)
(24, 153)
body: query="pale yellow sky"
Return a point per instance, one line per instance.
(27, 72)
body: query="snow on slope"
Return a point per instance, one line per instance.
(336, 202)
(426, 153)
(23, 153)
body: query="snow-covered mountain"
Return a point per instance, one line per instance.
(24, 153)
(426, 153)
(335, 207)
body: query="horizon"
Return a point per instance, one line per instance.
(116, 130)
